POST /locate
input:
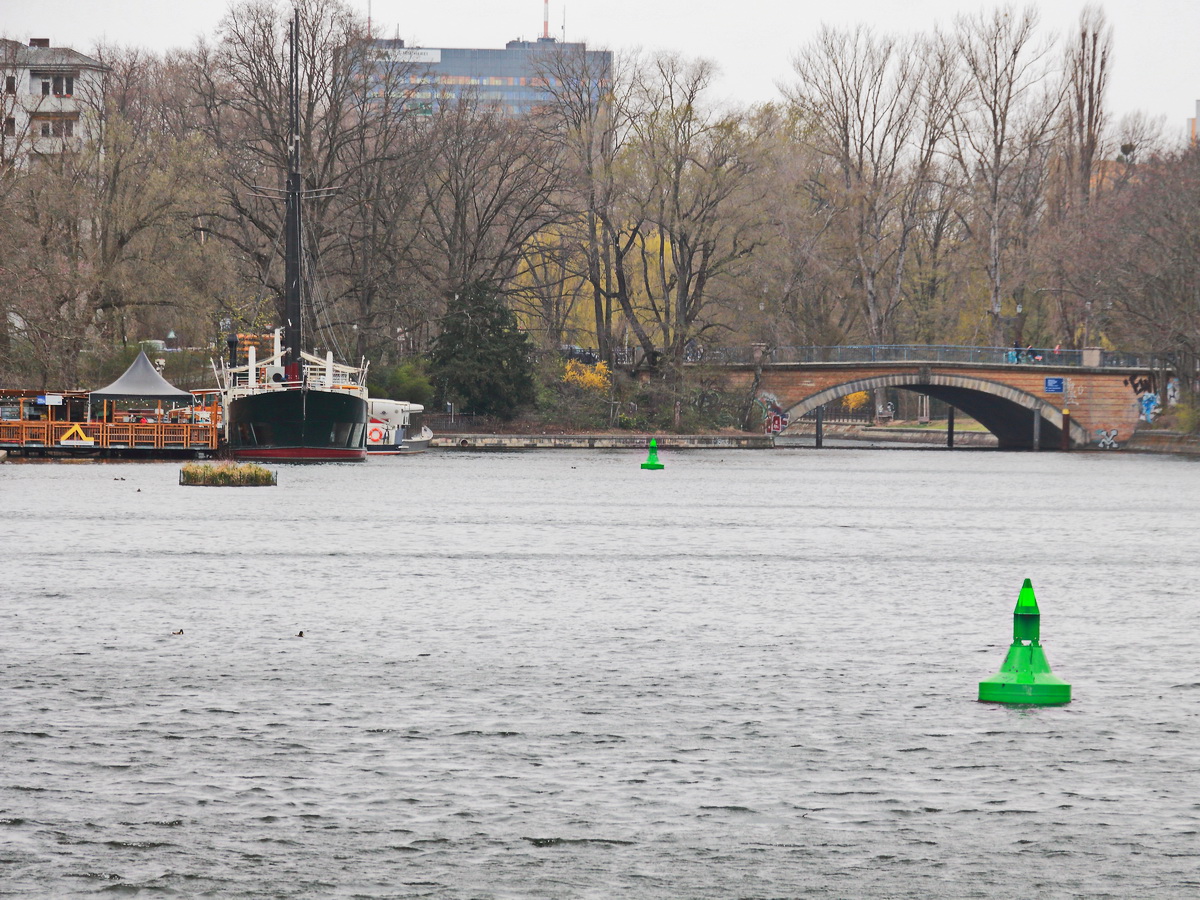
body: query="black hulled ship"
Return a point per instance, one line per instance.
(293, 405)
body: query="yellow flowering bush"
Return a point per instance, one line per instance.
(589, 378)
(856, 401)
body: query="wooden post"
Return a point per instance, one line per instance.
(1037, 430)
(820, 426)
(950, 428)
(1066, 430)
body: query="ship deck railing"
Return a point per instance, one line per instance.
(108, 435)
(242, 382)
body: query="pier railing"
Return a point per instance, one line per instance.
(108, 435)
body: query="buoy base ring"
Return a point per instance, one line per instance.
(1025, 693)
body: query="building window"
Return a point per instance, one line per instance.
(10, 127)
(64, 85)
(10, 84)
(46, 87)
(59, 128)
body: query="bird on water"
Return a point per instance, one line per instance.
(180, 631)
(301, 634)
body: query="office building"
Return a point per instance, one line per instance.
(516, 80)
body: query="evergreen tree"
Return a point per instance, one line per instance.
(481, 360)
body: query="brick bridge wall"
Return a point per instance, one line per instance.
(1104, 404)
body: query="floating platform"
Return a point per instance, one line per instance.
(147, 439)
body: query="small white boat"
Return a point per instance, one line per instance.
(388, 423)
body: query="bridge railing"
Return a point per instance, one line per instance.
(908, 353)
(1116, 360)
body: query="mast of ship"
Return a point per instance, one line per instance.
(293, 337)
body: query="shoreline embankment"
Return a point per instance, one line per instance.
(835, 436)
(838, 435)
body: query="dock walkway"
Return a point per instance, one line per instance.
(41, 438)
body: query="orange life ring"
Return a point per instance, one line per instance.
(375, 434)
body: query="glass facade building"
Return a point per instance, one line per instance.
(517, 79)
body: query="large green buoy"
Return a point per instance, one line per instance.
(652, 459)
(1025, 676)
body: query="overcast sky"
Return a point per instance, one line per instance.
(1157, 42)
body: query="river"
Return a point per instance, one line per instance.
(555, 675)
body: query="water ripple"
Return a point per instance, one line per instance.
(548, 675)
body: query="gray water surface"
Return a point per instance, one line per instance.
(752, 674)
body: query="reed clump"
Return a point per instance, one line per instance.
(227, 474)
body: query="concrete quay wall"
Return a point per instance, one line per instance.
(1147, 441)
(800, 436)
(804, 434)
(601, 441)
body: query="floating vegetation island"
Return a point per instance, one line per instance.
(227, 475)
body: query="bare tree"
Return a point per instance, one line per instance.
(548, 287)
(352, 122)
(485, 191)
(589, 121)
(379, 196)
(938, 276)
(1087, 67)
(688, 191)
(1145, 256)
(1079, 172)
(877, 108)
(799, 282)
(101, 227)
(1003, 134)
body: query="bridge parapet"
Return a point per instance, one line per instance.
(1092, 357)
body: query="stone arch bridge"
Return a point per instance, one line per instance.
(1025, 405)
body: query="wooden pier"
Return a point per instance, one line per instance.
(34, 438)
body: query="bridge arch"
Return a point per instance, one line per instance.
(1005, 411)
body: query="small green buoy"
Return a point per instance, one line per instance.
(652, 460)
(1025, 677)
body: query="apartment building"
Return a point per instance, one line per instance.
(48, 93)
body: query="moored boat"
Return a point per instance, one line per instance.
(317, 417)
(294, 405)
(388, 428)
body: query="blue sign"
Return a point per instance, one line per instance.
(1054, 385)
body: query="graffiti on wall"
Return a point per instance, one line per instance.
(1106, 440)
(775, 416)
(1143, 383)
(1149, 407)
(1072, 396)
(1149, 398)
